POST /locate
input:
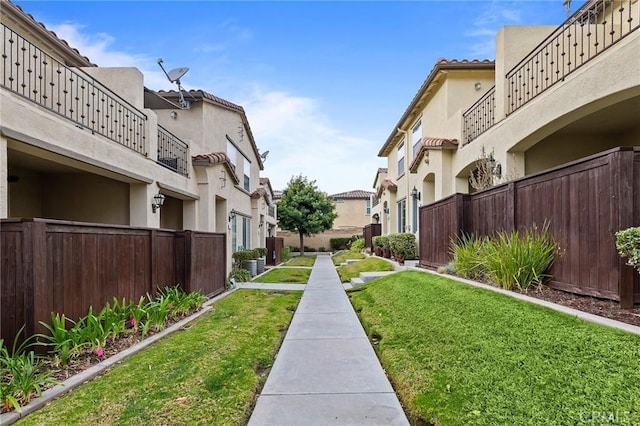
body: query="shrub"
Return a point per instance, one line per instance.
(376, 241)
(309, 249)
(628, 245)
(339, 243)
(241, 256)
(384, 241)
(237, 276)
(357, 245)
(261, 251)
(285, 255)
(321, 249)
(403, 245)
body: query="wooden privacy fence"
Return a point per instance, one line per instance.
(370, 231)
(274, 250)
(66, 267)
(585, 203)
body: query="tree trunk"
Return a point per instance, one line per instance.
(301, 244)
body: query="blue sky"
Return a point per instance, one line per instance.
(323, 83)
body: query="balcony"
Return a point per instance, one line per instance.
(480, 117)
(591, 30)
(172, 152)
(272, 211)
(40, 78)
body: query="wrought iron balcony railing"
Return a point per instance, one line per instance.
(592, 29)
(172, 152)
(479, 117)
(37, 76)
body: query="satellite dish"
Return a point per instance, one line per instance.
(264, 155)
(174, 76)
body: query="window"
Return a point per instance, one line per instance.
(367, 208)
(402, 215)
(339, 200)
(231, 153)
(401, 158)
(416, 136)
(246, 232)
(247, 174)
(414, 221)
(234, 234)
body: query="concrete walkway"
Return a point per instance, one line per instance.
(326, 371)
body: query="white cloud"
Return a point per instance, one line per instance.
(301, 140)
(300, 137)
(496, 14)
(98, 48)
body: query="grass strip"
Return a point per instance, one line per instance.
(370, 264)
(208, 373)
(463, 355)
(343, 256)
(302, 261)
(285, 276)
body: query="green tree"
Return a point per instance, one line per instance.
(304, 209)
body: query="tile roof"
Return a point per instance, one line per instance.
(431, 143)
(266, 183)
(277, 194)
(353, 195)
(208, 97)
(73, 57)
(386, 184)
(381, 171)
(259, 192)
(441, 65)
(216, 158)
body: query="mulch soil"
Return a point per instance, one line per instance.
(605, 308)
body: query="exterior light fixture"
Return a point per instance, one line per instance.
(385, 210)
(232, 215)
(173, 114)
(376, 217)
(157, 202)
(415, 194)
(477, 86)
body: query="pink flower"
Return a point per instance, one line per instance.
(100, 352)
(170, 306)
(133, 322)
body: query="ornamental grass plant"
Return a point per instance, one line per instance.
(516, 259)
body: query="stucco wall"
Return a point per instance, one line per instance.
(85, 198)
(351, 213)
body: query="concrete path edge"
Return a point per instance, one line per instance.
(95, 370)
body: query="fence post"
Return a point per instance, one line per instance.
(623, 180)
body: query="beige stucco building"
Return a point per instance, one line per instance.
(353, 209)
(90, 144)
(552, 95)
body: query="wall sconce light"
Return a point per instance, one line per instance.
(232, 215)
(496, 168)
(173, 115)
(385, 210)
(415, 194)
(261, 224)
(157, 202)
(477, 86)
(376, 217)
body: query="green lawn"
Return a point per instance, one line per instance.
(285, 275)
(463, 355)
(208, 374)
(371, 264)
(302, 261)
(345, 255)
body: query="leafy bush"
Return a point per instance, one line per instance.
(384, 241)
(285, 255)
(628, 245)
(241, 256)
(321, 249)
(357, 245)
(309, 249)
(403, 245)
(339, 243)
(262, 251)
(238, 276)
(377, 240)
